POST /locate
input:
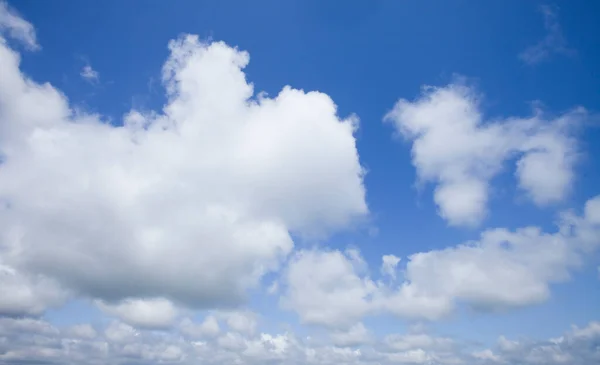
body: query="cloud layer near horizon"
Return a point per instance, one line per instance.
(37, 341)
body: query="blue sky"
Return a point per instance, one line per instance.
(150, 189)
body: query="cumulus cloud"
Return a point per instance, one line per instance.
(244, 322)
(487, 355)
(553, 43)
(460, 152)
(37, 341)
(120, 333)
(89, 74)
(157, 313)
(190, 206)
(16, 27)
(506, 269)
(326, 287)
(355, 336)
(25, 294)
(207, 329)
(501, 270)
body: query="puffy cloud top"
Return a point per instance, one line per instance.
(192, 204)
(455, 148)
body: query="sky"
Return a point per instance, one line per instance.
(299, 182)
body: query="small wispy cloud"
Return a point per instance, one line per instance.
(553, 43)
(89, 74)
(17, 27)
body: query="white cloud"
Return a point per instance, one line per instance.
(592, 210)
(17, 27)
(157, 313)
(418, 356)
(207, 329)
(89, 74)
(355, 336)
(389, 264)
(414, 341)
(327, 288)
(455, 148)
(577, 346)
(27, 294)
(592, 330)
(507, 345)
(194, 205)
(26, 326)
(487, 354)
(502, 270)
(242, 322)
(120, 332)
(553, 43)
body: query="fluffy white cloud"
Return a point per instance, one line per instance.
(455, 148)
(158, 313)
(25, 294)
(16, 27)
(326, 287)
(355, 336)
(503, 269)
(244, 322)
(334, 289)
(208, 328)
(26, 326)
(507, 345)
(487, 355)
(192, 205)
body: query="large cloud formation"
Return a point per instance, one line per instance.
(455, 148)
(192, 204)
